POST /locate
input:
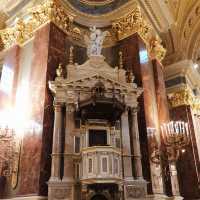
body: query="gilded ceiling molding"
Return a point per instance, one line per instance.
(134, 22)
(96, 3)
(184, 97)
(189, 27)
(49, 11)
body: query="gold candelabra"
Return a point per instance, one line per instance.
(10, 148)
(174, 137)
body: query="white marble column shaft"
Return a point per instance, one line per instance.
(136, 144)
(56, 147)
(69, 145)
(127, 160)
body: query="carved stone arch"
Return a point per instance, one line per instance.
(106, 194)
(99, 88)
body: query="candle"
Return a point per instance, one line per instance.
(187, 129)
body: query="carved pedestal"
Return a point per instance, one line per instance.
(59, 190)
(135, 189)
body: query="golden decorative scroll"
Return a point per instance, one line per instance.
(50, 10)
(134, 22)
(185, 97)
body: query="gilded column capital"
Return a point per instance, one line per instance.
(184, 97)
(134, 22)
(48, 11)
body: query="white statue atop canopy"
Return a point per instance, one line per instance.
(95, 41)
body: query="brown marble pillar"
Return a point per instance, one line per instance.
(56, 149)
(136, 144)
(187, 165)
(127, 157)
(136, 58)
(164, 117)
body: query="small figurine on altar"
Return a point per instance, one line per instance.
(59, 71)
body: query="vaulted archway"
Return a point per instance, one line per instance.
(99, 197)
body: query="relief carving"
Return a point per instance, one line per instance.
(135, 192)
(62, 193)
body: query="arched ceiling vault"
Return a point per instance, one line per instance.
(185, 30)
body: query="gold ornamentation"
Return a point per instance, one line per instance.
(129, 24)
(156, 50)
(134, 22)
(184, 97)
(49, 11)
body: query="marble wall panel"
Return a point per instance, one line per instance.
(11, 62)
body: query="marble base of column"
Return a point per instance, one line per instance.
(135, 189)
(162, 197)
(157, 197)
(28, 198)
(176, 198)
(68, 169)
(60, 190)
(55, 168)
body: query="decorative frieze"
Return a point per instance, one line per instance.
(49, 11)
(134, 22)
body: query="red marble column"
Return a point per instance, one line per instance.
(161, 96)
(33, 142)
(136, 58)
(164, 117)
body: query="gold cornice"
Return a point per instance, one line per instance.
(60, 14)
(184, 97)
(49, 11)
(134, 22)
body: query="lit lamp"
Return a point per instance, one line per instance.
(175, 136)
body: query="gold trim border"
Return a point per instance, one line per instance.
(90, 3)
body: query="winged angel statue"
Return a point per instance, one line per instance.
(95, 41)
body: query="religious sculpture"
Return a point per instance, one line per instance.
(95, 41)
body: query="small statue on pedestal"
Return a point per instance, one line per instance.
(59, 71)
